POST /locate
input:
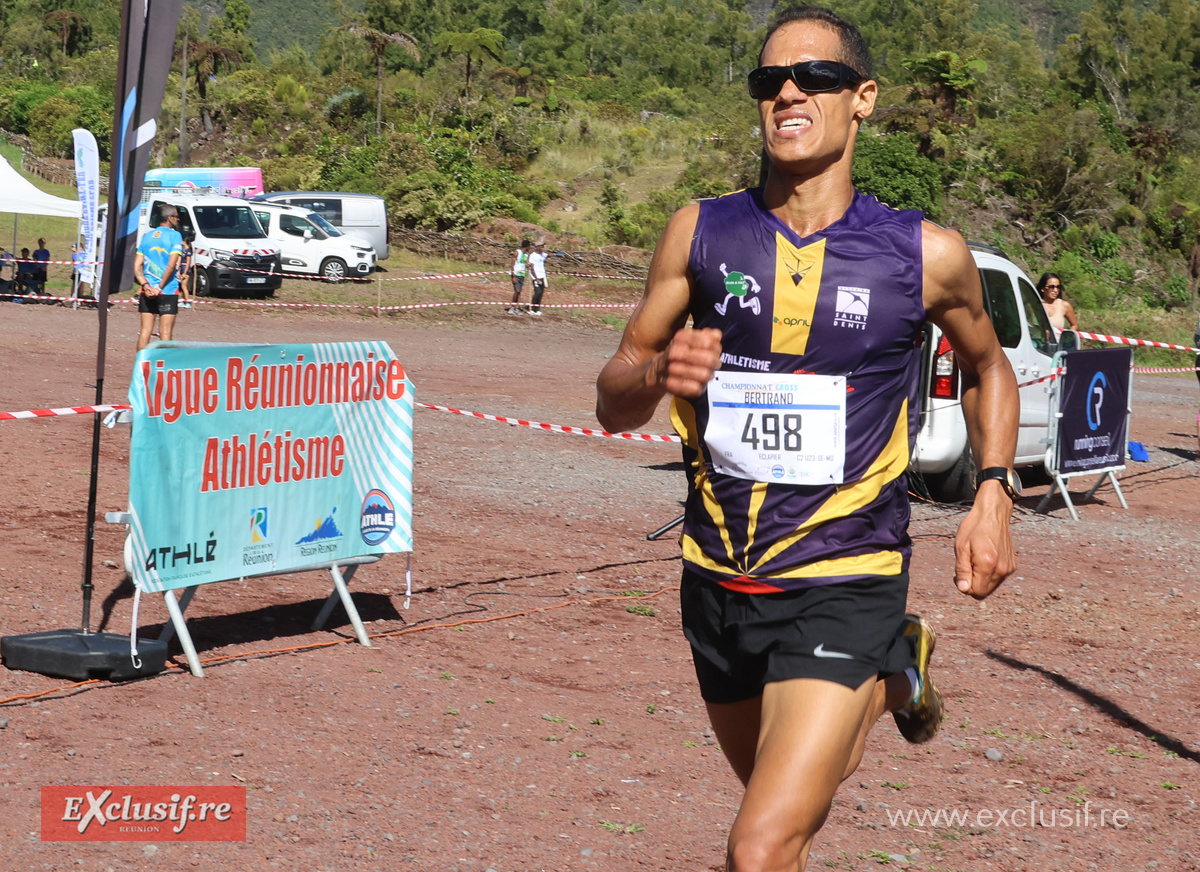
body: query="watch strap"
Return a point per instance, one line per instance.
(1002, 474)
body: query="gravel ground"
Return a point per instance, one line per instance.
(526, 711)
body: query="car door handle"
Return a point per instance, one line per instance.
(1022, 369)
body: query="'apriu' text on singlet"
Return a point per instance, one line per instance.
(844, 302)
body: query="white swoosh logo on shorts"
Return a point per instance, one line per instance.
(820, 651)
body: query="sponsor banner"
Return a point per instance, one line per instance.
(1094, 403)
(143, 814)
(255, 459)
(87, 179)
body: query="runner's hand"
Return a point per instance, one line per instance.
(687, 365)
(983, 549)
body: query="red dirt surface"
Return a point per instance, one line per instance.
(523, 715)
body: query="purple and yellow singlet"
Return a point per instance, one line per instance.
(797, 451)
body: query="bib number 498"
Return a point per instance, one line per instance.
(772, 435)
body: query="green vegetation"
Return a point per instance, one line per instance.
(1063, 131)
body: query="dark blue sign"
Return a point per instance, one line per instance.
(1094, 404)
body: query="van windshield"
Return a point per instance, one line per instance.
(228, 222)
(323, 224)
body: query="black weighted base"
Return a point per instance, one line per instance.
(82, 656)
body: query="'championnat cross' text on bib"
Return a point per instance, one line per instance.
(779, 497)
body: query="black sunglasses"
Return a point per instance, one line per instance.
(812, 77)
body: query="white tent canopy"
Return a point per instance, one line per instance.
(19, 195)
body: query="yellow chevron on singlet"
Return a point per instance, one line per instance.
(797, 284)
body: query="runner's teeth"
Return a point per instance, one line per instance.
(795, 122)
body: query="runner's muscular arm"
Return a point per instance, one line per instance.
(953, 297)
(657, 356)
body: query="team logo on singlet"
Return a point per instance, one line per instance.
(852, 307)
(797, 284)
(741, 287)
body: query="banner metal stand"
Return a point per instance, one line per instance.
(341, 571)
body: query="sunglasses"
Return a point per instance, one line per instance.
(811, 77)
(1054, 287)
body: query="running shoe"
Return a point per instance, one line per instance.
(919, 719)
(535, 314)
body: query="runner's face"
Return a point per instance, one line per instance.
(806, 132)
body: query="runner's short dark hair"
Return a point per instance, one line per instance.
(855, 51)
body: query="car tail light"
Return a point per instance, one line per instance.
(944, 378)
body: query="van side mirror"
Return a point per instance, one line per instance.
(1068, 340)
(307, 233)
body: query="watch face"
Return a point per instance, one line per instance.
(1014, 483)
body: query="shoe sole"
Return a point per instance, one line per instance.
(914, 731)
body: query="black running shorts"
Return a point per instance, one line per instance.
(159, 304)
(845, 633)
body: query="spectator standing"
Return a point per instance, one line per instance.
(1058, 309)
(518, 275)
(537, 268)
(185, 271)
(77, 257)
(42, 255)
(154, 268)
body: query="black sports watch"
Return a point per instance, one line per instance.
(1007, 477)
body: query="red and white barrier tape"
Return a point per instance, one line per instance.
(554, 428)
(56, 413)
(1150, 370)
(9, 260)
(1124, 340)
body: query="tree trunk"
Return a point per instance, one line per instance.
(183, 131)
(379, 95)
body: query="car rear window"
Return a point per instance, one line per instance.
(1002, 306)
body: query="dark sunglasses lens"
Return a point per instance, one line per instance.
(766, 82)
(817, 77)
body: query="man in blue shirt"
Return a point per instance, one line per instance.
(154, 268)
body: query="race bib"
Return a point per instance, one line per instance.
(780, 429)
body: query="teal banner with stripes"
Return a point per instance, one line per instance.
(256, 459)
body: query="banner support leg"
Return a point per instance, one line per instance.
(333, 599)
(185, 638)
(168, 631)
(343, 592)
(1109, 475)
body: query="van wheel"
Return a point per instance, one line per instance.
(203, 282)
(956, 484)
(333, 269)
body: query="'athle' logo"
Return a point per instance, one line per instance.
(143, 814)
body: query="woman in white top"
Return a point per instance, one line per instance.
(1059, 310)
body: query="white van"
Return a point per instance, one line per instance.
(230, 251)
(310, 245)
(943, 453)
(363, 215)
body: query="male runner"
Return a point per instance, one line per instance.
(809, 299)
(154, 268)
